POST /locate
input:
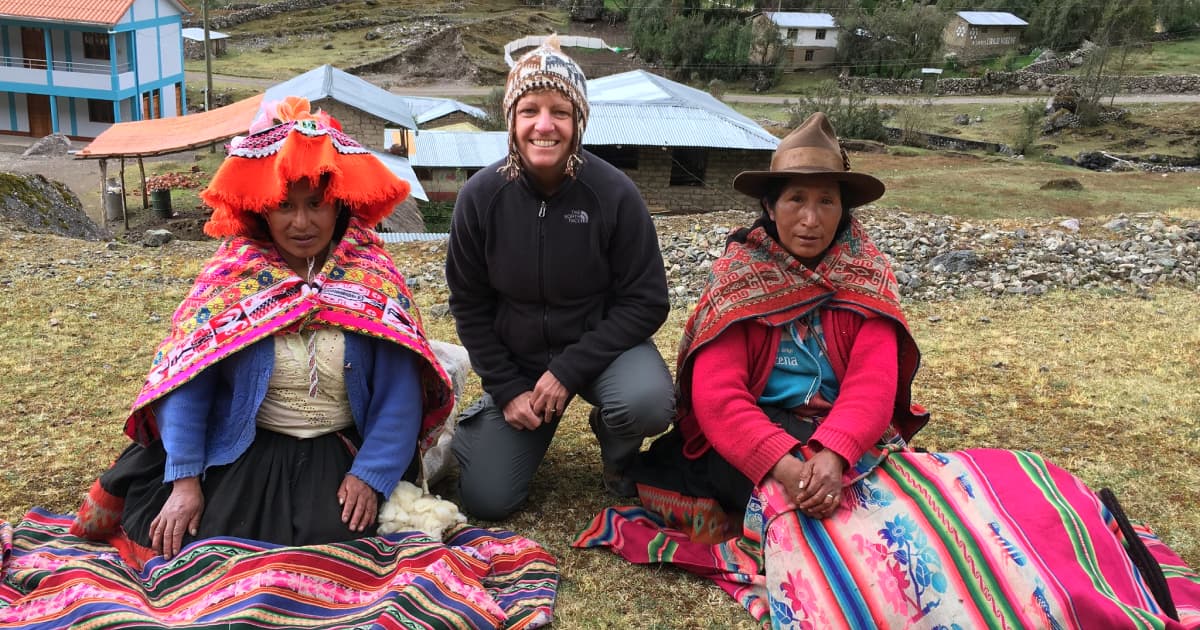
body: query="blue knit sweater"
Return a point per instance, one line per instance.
(210, 420)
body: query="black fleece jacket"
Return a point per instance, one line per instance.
(563, 283)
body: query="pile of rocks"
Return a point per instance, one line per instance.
(937, 257)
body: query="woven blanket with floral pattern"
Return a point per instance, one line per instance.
(970, 539)
(477, 579)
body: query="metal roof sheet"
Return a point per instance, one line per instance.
(794, 19)
(640, 108)
(329, 82)
(405, 237)
(458, 149)
(107, 12)
(197, 34)
(991, 18)
(400, 167)
(427, 108)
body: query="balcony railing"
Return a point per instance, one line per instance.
(86, 67)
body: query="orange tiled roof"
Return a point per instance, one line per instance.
(168, 135)
(89, 11)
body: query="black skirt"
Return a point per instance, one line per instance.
(282, 490)
(665, 466)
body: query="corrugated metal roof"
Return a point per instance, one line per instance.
(329, 82)
(106, 12)
(161, 136)
(197, 34)
(629, 109)
(640, 108)
(427, 108)
(406, 237)
(793, 19)
(401, 168)
(458, 149)
(991, 18)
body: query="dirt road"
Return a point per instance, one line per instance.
(459, 91)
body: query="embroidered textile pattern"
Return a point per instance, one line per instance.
(247, 292)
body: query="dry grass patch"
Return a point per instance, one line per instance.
(970, 186)
(1104, 386)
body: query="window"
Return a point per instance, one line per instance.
(688, 166)
(624, 158)
(423, 173)
(820, 33)
(100, 111)
(808, 55)
(792, 33)
(95, 45)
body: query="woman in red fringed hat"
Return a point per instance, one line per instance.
(296, 386)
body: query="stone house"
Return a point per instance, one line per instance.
(363, 108)
(810, 39)
(681, 146)
(976, 35)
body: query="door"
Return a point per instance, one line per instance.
(33, 48)
(39, 115)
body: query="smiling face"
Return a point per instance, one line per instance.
(544, 131)
(302, 226)
(807, 214)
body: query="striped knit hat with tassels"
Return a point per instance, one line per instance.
(545, 68)
(254, 178)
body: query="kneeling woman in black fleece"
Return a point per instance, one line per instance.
(556, 286)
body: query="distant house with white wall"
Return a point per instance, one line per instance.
(974, 35)
(76, 68)
(193, 42)
(810, 39)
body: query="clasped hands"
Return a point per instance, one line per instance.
(182, 510)
(813, 486)
(543, 405)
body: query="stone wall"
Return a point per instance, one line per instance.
(653, 177)
(219, 22)
(950, 143)
(1021, 81)
(452, 119)
(362, 126)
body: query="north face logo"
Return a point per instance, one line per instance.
(576, 216)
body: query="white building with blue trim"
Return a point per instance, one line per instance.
(77, 66)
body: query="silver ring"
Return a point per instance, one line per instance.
(829, 497)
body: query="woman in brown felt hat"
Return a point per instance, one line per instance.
(794, 406)
(798, 342)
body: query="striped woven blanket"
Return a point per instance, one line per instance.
(477, 579)
(970, 539)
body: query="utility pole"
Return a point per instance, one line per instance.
(212, 148)
(207, 59)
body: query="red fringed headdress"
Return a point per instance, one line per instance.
(255, 176)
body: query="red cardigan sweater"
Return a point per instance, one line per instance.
(730, 372)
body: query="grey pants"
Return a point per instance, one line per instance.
(497, 462)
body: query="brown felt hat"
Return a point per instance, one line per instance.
(812, 148)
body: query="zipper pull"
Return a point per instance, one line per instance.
(542, 211)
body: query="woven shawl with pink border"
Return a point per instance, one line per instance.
(247, 292)
(759, 279)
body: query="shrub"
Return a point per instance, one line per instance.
(852, 114)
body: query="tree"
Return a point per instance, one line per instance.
(1178, 15)
(696, 42)
(1123, 24)
(892, 41)
(1062, 24)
